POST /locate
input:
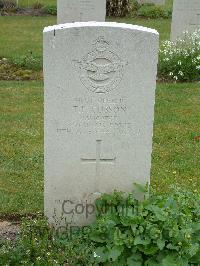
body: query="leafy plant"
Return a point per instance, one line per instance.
(28, 61)
(49, 9)
(180, 60)
(159, 230)
(153, 11)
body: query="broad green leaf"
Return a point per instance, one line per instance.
(193, 249)
(139, 241)
(161, 243)
(169, 261)
(114, 252)
(151, 262)
(148, 250)
(101, 254)
(159, 213)
(134, 260)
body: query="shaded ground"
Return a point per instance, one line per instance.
(9, 230)
(10, 71)
(24, 12)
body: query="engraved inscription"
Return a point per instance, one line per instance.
(87, 5)
(101, 70)
(99, 116)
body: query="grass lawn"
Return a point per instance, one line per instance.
(30, 3)
(175, 151)
(19, 34)
(21, 147)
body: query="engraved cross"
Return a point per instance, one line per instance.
(98, 160)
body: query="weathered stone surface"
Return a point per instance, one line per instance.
(100, 81)
(80, 10)
(186, 17)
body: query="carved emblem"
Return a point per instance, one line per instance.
(101, 70)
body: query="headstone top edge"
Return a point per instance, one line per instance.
(99, 24)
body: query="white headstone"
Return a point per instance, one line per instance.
(80, 11)
(156, 2)
(100, 81)
(186, 17)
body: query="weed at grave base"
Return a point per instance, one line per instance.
(160, 230)
(49, 9)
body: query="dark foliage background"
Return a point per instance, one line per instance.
(118, 8)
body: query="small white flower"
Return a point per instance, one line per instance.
(96, 256)
(180, 73)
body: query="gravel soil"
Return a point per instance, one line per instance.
(9, 230)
